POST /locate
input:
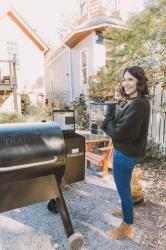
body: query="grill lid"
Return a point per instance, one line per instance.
(22, 144)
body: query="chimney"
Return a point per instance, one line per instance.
(89, 9)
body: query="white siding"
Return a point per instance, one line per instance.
(30, 71)
(99, 56)
(96, 59)
(31, 59)
(60, 65)
(88, 43)
(60, 87)
(6, 105)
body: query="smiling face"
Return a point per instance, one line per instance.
(130, 85)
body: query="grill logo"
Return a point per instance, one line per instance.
(19, 140)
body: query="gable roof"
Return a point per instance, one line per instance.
(98, 24)
(29, 32)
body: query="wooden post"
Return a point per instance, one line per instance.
(11, 75)
(15, 87)
(164, 131)
(161, 102)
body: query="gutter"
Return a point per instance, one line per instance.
(70, 76)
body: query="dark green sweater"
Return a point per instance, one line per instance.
(128, 128)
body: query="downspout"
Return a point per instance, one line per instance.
(70, 76)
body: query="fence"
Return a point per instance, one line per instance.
(157, 125)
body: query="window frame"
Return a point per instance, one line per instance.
(99, 37)
(84, 68)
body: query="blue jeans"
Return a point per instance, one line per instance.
(123, 166)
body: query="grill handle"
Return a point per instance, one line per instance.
(29, 165)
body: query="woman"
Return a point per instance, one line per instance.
(128, 129)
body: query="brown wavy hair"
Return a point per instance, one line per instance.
(142, 80)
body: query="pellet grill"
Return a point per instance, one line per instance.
(32, 164)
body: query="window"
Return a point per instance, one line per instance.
(99, 37)
(84, 67)
(83, 8)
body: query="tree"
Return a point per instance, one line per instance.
(68, 22)
(101, 86)
(81, 111)
(142, 44)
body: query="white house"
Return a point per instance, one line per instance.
(84, 51)
(19, 41)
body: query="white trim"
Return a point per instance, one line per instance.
(51, 80)
(86, 50)
(93, 51)
(103, 25)
(70, 76)
(14, 13)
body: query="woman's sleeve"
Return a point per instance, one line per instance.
(128, 127)
(108, 118)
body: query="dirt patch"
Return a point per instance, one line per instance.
(151, 215)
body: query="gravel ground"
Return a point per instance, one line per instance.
(90, 204)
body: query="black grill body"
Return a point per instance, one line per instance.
(30, 150)
(32, 163)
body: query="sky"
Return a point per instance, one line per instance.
(45, 15)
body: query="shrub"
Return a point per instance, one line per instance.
(9, 117)
(154, 156)
(153, 151)
(33, 113)
(81, 112)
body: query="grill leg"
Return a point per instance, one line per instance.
(75, 240)
(64, 211)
